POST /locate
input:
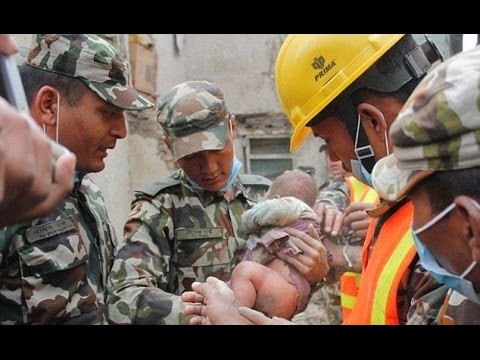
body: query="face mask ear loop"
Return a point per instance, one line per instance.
(386, 143)
(386, 135)
(468, 269)
(476, 204)
(58, 117)
(435, 219)
(358, 131)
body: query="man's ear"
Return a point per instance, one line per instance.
(471, 229)
(44, 106)
(372, 118)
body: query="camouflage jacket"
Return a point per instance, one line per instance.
(458, 310)
(54, 269)
(427, 300)
(334, 193)
(175, 235)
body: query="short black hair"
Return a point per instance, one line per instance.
(444, 186)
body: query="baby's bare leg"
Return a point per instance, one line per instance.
(243, 280)
(259, 287)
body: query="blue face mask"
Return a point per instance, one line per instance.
(360, 173)
(455, 282)
(236, 167)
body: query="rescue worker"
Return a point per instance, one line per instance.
(54, 269)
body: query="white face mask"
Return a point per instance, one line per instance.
(453, 281)
(57, 122)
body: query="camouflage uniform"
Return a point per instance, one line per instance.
(54, 269)
(334, 194)
(93, 61)
(438, 129)
(427, 300)
(458, 310)
(176, 232)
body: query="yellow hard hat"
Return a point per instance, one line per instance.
(312, 70)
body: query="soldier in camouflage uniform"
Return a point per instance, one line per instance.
(30, 190)
(54, 269)
(187, 226)
(436, 163)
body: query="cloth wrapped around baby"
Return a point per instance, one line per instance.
(265, 223)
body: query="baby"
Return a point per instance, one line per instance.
(262, 281)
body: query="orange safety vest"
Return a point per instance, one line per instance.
(349, 281)
(382, 272)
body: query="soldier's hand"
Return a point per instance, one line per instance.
(258, 318)
(219, 304)
(331, 219)
(194, 307)
(30, 186)
(312, 262)
(357, 219)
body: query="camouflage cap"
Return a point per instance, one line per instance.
(438, 128)
(194, 117)
(92, 60)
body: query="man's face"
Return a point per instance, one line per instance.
(89, 129)
(340, 145)
(334, 167)
(442, 236)
(210, 169)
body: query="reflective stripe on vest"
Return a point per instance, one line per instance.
(359, 192)
(349, 281)
(391, 257)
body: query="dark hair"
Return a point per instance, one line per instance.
(444, 186)
(33, 79)
(401, 94)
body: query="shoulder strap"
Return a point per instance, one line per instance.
(154, 188)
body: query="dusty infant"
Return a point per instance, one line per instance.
(263, 281)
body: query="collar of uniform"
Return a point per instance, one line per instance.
(77, 181)
(209, 197)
